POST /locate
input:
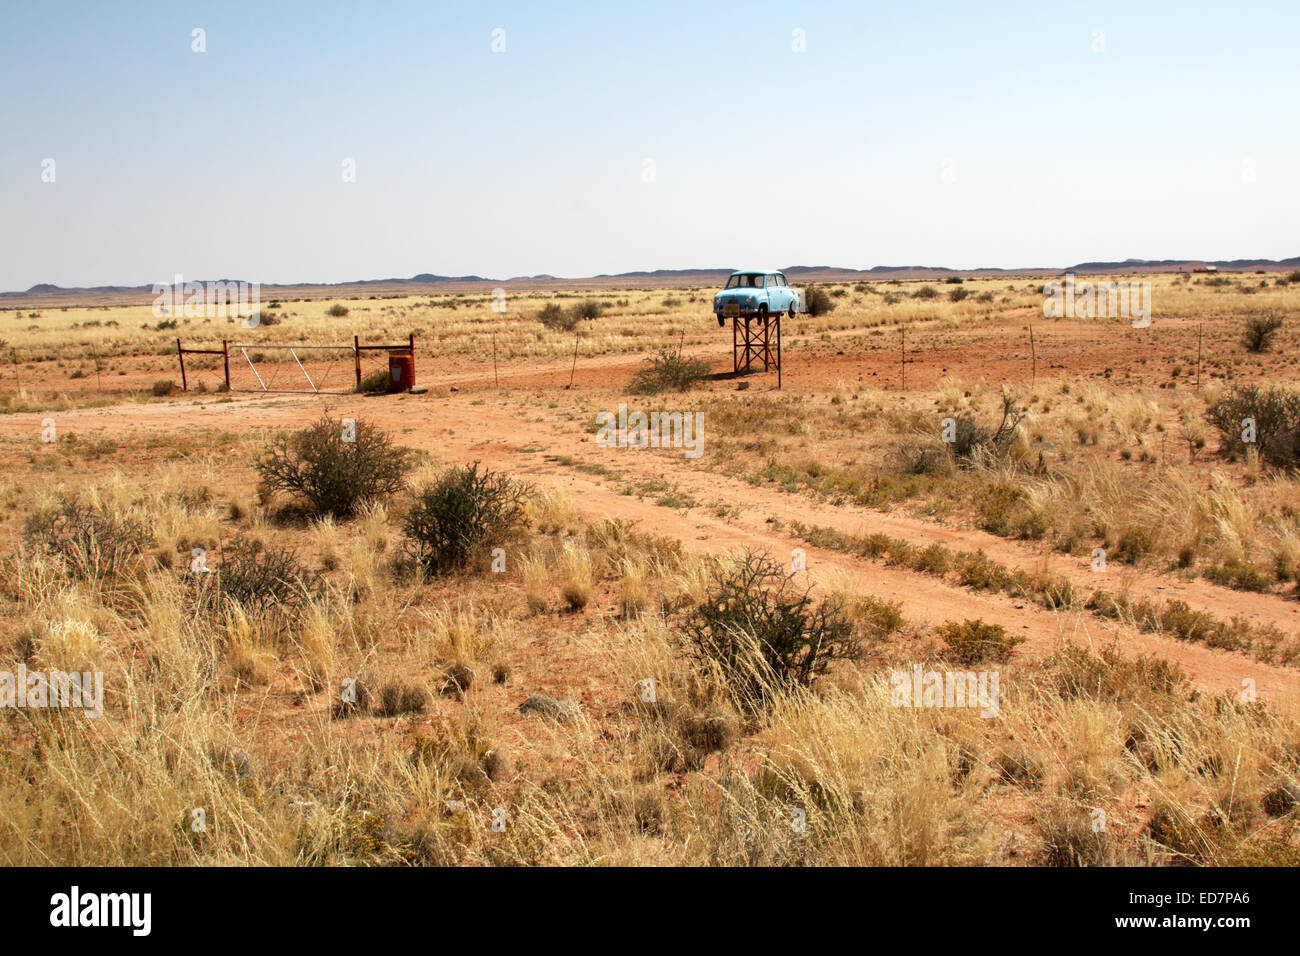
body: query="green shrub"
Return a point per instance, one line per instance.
(337, 310)
(334, 465)
(164, 386)
(461, 515)
(763, 632)
(974, 642)
(669, 370)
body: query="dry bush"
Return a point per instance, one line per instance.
(1275, 412)
(460, 516)
(974, 642)
(763, 632)
(334, 465)
(670, 369)
(92, 542)
(260, 580)
(1259, 331)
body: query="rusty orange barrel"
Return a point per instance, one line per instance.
(401, 371)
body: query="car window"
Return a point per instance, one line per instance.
(780, 278)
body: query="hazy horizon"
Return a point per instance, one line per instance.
(621, 140)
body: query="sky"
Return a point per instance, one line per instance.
(333, 141)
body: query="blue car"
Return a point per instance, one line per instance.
(756, 295)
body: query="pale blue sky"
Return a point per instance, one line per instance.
(942, 133)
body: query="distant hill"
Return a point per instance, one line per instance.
(433, 283)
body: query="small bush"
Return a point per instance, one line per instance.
(972, 440)
(925, 292)
(337, 310)
(335, 465)
(1276, 415)
(763, 632)
(956, 295)
(164, 386)
(258, 579)
(974, 642)
(464, 512)
(93, 544)
(587, 310)
(817, 301)
(669, 370)
(1259, 332)
(556, 317)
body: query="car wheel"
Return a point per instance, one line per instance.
(762, 312)
(791, 312)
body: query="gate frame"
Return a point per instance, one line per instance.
(357, 349)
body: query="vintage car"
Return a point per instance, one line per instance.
(756, 294)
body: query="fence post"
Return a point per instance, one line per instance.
(225, 358)
(180, 355)
(356, 354)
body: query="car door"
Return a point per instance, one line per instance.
(792, 300)
(773, 294)
(778, 299)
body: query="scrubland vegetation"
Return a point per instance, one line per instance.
(347, 651)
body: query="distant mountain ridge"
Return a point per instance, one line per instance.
(667, 278)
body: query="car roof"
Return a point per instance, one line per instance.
(755, 272)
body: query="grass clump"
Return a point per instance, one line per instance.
(375, 383)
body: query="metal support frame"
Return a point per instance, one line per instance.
(757, 339)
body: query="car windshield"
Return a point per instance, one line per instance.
(750, 281)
